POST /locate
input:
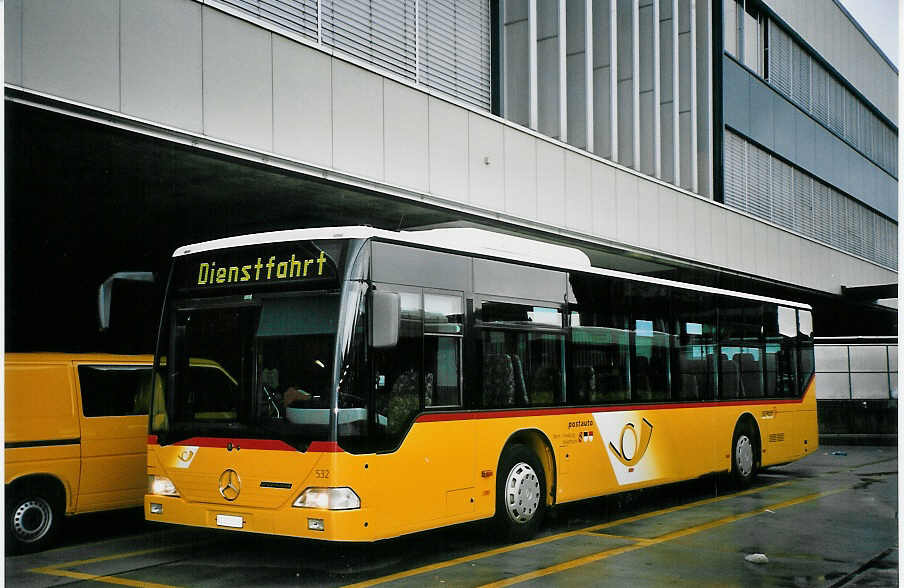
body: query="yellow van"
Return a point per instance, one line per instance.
(76, 439)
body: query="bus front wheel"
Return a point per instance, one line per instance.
(520, 493)
(744, 450)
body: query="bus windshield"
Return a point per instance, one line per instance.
(256, 367)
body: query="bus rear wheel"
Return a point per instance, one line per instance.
(744, 450)
(520, 493)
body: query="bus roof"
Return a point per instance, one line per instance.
(467, 240)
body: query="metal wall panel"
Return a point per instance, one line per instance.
(626, 189)
(160, 49)
(603, 201)
(12, 41)
(358, 120)
(578, 215)
(405, 129)
(237, 80)
(70, 49)
(448, 135)
(520, 173)
(550, 184)
(486, 164)
(302, 102)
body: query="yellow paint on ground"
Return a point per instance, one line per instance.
(551, 538)
(658, 540)
(105, 579)
(59, 569)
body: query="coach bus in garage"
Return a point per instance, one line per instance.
(392, 382)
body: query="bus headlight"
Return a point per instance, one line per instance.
(161, 486)
(328, 499)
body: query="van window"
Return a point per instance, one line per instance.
(114, 390)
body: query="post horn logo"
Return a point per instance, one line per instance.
(630, 453)
(230, 485)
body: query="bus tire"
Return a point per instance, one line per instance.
(744, 451)
(34, 513)
(520, 493)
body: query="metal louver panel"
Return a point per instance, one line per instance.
(735, 171)
(381, 32)
(800, 90)
(820, 94)
(759, 180)
(299, 16)
(803, 203)
(782, 194)
(823, 223)
(455, 48)
(836, 106)
(839, 232)
(851, 117)
(779, 59)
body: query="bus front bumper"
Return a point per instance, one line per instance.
(310, 523)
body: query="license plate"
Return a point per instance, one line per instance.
(230, 521)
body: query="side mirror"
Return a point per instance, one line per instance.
(384, 319)
(105, 292)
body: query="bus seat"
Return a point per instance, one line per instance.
(641, 377)
(750, 375)
(498, 381)
(585, 384)
(729, 373)
(545, 385)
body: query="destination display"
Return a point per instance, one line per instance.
(261, 265)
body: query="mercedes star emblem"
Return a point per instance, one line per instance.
(230, 485)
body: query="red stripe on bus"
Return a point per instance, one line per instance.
(498, 414)
(325, 447)
(152, 439)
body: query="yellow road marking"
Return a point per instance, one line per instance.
(57, 569)
(658, 540)
(556, 537)
(105, 579)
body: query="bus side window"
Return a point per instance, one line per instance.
(804, 349)
(599, 346)
(397, 373)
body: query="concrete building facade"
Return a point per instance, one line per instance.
(746, 144)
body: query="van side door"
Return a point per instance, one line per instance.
(114, 400)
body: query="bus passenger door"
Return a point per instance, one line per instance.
(114, 425)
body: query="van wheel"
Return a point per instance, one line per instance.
(744, 450)
(33, 517)
(520, 493)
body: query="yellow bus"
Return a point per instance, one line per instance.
(384, 383)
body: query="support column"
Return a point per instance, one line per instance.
(693, 130)
(588, 71)
(613, 78)
(657, 109)
(532, 63)
(563, 78)
(676, 96)
(635, 81)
